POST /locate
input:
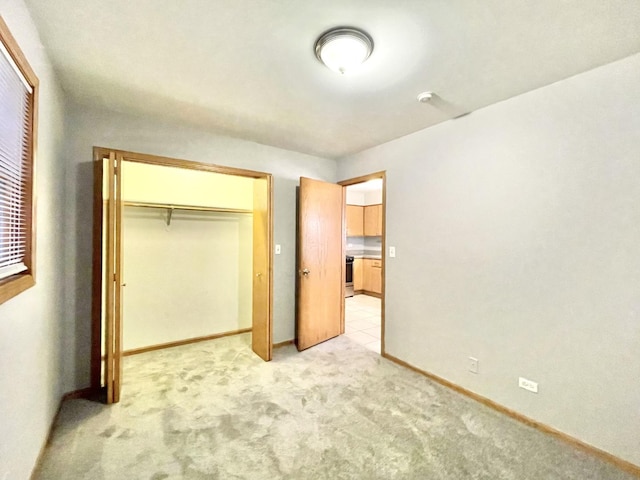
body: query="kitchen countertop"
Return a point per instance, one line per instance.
(371, 257)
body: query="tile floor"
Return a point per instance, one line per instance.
(362, 320)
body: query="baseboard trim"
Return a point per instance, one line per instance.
(82, 393)
(284, 344)
(370, 293)
(150, 348)
(606, 456)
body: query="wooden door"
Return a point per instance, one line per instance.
(112, 198)
(261, 327)
(321, 263)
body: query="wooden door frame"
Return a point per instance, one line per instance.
(96, 311)
(353, 181)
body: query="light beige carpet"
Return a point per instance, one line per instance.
(214, 410)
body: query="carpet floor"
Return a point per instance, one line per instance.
(214, 410)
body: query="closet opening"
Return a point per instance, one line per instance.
(182, 254)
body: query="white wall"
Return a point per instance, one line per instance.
(30, 324)
(189, 279)
(354, 197)
(517, 231)
(91, 127)
(373, 197)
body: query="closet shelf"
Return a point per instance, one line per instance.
(171, 207)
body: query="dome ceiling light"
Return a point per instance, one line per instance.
(343, 49)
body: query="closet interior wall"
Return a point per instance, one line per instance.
(187, 254)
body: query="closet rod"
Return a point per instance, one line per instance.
(170, 206)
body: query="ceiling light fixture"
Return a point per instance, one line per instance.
(343, 49)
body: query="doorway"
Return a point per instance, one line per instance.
(323, 270)
(364, 207)
(191, 193)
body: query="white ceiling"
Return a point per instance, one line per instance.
(247, 67)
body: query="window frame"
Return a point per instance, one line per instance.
(18, 283)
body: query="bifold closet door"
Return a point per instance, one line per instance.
(261, 342)
(109, 189)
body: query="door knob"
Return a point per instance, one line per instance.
(258, 274)
(305, 272)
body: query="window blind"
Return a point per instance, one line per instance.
(15, 130)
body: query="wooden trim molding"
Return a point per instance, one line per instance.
(365, 178)
(82, 393)
(16, 284)
(606, 456)
(178, 343)
(368, 293)
(284, 344)
(101, 152)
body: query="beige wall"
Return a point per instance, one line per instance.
(192, 276)
(142, 182)
(188, 279)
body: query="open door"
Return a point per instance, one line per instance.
(321, 263)
(261, 342)
(112, 269)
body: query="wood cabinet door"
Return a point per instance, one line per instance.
(358, 274)
(370, 221)
(376, 276)
(355, 221)
(372, 275)
(373, 220)
(367, 271)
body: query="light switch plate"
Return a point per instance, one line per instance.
(392, 252)
(278, 249)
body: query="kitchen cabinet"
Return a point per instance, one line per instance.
(373, 220)
(358, 274)
(372, 275)
(355, 221)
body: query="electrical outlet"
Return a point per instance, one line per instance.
(473, 365)
(392, 252)
(528, 384)
(278, 250)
